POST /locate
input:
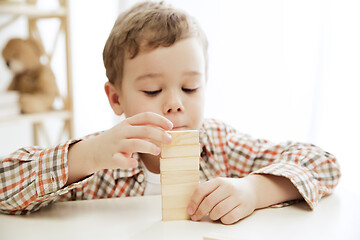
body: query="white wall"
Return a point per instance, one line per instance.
(279, 69)
(287, 70)
(90, 27)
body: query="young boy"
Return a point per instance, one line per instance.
(156, 63)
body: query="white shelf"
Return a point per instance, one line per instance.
(37, 117)
(31, 10)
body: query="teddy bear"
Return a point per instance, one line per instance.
(34, 81)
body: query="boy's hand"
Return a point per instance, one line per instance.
(227, 199)
(143, 132)
(231, 199)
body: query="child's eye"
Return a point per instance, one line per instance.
(152, 93)
(189, 90)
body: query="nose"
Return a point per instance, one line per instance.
(173, 104)
(8, 63)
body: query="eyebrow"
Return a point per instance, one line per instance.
(149, 75)
(160, 75)
(192, 73)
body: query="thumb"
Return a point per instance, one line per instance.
(123, 161)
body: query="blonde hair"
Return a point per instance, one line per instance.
(145, 27)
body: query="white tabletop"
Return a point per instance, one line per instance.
(337, 217)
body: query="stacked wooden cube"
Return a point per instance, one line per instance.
(179, 169)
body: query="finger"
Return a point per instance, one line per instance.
(200, 193)
(150, 118)
(121, 161)
(149, 133)
(223, 208)
(209, 202)
(235, 215)
(138, 145)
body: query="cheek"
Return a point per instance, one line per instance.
(139, 104)
(199, 103)
(196, 108)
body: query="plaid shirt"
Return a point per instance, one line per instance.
(34, 177)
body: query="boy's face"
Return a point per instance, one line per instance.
(169, 81)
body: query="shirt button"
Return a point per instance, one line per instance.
(140, 178)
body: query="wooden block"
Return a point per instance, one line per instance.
(179, 164)
(174, 201)
(175, 177)
(171, 214)
(211, 238)
(179, 169)
(184, 137)
(177, 151)
(179, 190)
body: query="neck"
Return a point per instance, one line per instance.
(151, 162)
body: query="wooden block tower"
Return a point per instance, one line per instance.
(179, 169)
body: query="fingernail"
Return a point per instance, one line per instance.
(170, 125)
(168, 138)
(194, 218)
(158, 150)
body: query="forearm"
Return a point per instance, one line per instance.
(80, 161)
(33, 172)
(270, 189)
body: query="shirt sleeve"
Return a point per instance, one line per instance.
(33, 177)
(313, 171)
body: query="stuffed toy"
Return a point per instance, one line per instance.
(34, 81)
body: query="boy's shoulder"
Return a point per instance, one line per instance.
(212, 124)
(215, 130)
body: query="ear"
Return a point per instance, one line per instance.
(113, 96)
